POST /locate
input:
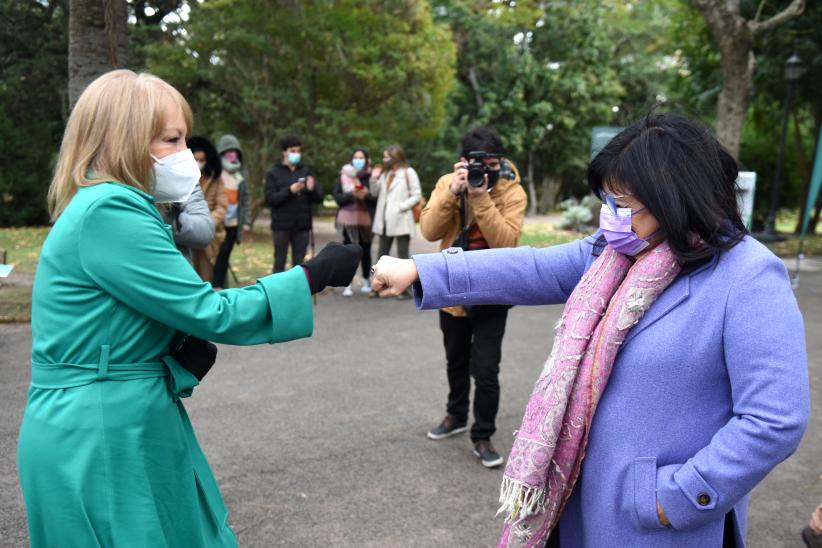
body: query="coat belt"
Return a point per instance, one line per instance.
(70, 375)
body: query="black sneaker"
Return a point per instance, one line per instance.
(487, 454)
(447, 428)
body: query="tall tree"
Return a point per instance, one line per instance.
(98, 41)
(802, 36)
(33, 49)
(539, 72)
(735, 37)
(340, 74)
(643, 54)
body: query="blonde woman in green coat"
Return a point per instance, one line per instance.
(107, 455)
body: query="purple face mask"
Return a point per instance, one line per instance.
(615, 223)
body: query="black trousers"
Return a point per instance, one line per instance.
(297, 239)
(403, 243)
(221, 264)
(473, 348)
(366, 254)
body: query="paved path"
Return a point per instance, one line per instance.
(322, 441)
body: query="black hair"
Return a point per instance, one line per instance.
(214, 164)
(482, 138)
(290, 141)
(364, 151)
(685, 178)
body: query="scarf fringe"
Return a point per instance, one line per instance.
(519, 501)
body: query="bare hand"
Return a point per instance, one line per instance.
(376, 172)
(392, 276)
(663, 519)
(309, 183)
(459, 180)
(361, 193)
(296, 187)
(246, 229)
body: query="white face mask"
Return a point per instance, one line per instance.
(175, 176)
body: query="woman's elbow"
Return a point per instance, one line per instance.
(430, 233)
(784, 430)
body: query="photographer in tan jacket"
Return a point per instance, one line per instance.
(480, 205)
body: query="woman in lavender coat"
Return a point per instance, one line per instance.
(708, 390)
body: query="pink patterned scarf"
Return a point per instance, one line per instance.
(549, 447)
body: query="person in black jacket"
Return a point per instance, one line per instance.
(290, 192)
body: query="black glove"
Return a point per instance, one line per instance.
(196, 355)
(334, 265)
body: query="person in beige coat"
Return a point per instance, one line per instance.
(397, 191)
(487, 216)
(215, 196)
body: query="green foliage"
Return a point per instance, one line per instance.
(339, 74)
(539, 73)
(694, 90)
(580, 215)
(346, 73)
(644, 57)
(33, 51)
(694, 86)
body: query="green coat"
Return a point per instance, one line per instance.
(106, 455)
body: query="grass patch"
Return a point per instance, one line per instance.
(255, 256)
(15, 303)
(788, 248)
(544, 235)
(22, 246)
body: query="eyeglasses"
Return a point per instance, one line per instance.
(610, 200)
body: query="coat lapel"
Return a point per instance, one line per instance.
(672, 297)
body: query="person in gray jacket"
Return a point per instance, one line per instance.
(190, 221)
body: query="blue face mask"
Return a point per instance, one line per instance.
(294, 158)
(358, 163)
(615, 223)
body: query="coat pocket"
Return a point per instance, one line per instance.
(645, 493)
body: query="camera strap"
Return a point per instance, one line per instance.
(462, 236)
(462, 211)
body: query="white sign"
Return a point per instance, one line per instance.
(745, 196)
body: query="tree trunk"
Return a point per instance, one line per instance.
(475, 87)
(550, 188)
(257, 167)
(737, 74)
(98, 41)
(532, 189)
(735, 37)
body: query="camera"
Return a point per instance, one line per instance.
(477, 170)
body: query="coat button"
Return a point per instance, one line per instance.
(703, 499)
(452, 250)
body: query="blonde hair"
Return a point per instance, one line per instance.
(398, 160)
(109, 133)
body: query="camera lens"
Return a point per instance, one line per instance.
(476, 174)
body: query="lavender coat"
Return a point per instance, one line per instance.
(708, 393)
